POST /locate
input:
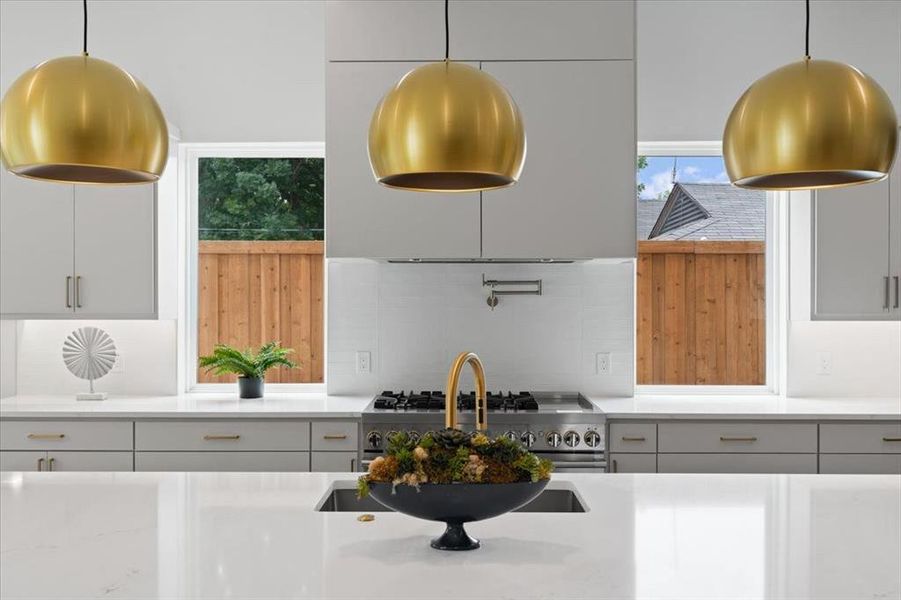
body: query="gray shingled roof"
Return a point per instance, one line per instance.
(735, 213)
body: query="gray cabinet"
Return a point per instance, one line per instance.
(390, 30)
(575, 198)
(36, 240)
(857, 251)
(115, 256)
(76, 251)
(364, 218)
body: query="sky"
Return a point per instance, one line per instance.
(658, 175)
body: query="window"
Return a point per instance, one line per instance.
(256, 271)
(702, 297)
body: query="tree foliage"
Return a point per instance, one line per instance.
(261, 198)
(640, 164)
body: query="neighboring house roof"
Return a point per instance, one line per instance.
(704, 211)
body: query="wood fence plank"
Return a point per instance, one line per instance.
(731, 334)
(688, 347)
(254, 302)
(270, 330)
(674, 320)
(705, 326)
(658, 274)
(317, 322)
(760, 320)
(644, 360)
(207, 311)
(287, 339)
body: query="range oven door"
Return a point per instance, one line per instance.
(573, 462)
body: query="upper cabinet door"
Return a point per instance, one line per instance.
(365, 219)
(480, 30)
(35, 247)
(115, 252)
(851, 253)
(576, 195)
(895, 232)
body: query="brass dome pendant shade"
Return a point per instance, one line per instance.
(447, 127)
(810, 124)
(79, 119)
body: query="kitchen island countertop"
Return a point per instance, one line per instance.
(238, 535)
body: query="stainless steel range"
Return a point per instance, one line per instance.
(562, 427)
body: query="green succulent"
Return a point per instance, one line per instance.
(450, 439)
(225, 360)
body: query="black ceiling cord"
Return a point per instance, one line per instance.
(84, 47)
(807, 30)
(446, 32)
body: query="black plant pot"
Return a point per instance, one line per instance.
(456, 504)
(250, 387)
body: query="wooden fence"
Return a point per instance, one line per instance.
(253, 292)
(701, 313)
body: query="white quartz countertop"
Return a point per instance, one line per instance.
(237, 535)
(748, 407)
(206, 406)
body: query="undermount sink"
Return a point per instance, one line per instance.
(342, 497)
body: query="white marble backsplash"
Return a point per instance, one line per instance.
(414, 318)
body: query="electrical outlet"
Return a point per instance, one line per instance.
(119, 367)
(364, 362)
(602, 365)
(824, 363)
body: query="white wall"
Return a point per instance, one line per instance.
(415, 318)
(146, 350)
(7, 358)
(222, 70)
(696, 57)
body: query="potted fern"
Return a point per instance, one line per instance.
(250, 366)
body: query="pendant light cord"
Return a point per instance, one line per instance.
(807, 30)
(84, 46)
(446, 31)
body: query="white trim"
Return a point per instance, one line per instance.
(188, 156)
(776, 257)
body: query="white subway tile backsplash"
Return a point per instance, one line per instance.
(414, 318)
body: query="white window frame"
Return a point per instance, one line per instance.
(776, 297)
(189, 156)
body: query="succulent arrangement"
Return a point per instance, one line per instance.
(453, 456)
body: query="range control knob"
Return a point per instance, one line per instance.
(528, 439)
(571, 438)
(374, 438)
(390, 435)
(553, 439)
(592, 439)
(414, 436)
(512, 436)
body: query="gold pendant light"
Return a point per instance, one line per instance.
(447, 127)
(810, 124)
(80, 119)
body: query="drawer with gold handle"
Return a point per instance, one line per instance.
(861, 438)
(335, 435)
(633, 437)
(81, 434)
(736, 436)
(226, 435)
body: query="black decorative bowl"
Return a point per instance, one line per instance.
(456, 504)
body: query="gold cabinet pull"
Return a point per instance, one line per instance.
(50, 462)
(229, 437)
(46, 436)
(749, 438)
(335, 436)
(615, 470)
(891, 439)
(632, 438)
(41, 464)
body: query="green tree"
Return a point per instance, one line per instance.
(640, 164)
(261, 198)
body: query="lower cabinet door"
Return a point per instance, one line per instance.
(736, 463)
(861, 463)
(23, 460)
(223, 461)
(90, 461)
(632, 463)
(333, 462)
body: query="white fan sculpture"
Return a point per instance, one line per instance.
(89, 353)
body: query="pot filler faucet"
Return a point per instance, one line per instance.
(453, 381)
